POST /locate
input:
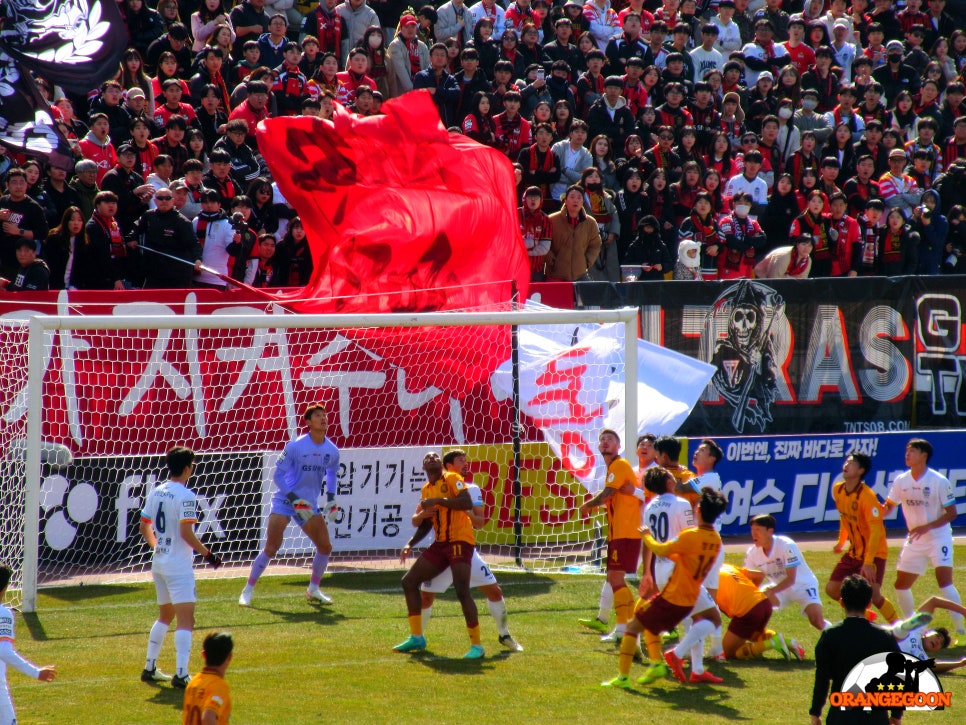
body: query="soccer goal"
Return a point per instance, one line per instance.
(92, 404)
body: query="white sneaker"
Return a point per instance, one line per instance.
(511, 644)
(317, 594)
(245, 599)
(612, 637)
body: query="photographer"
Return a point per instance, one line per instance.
(928, 220)
(243, 259)
(955, 248)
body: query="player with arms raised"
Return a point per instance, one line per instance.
(694, 553)
(298, 484)
(207, 701)
(929, 506)
(623, 520)
(168, 526)
(861, 524)
(444, 509)
(10, 656)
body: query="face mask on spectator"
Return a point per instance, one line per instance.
(785, 113)
(809, 104)
(375, 41)
(742, 210)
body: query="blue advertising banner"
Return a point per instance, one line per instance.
(791, 477)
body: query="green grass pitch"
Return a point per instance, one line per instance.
(300, 663)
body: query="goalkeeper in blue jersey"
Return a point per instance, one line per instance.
(299, 475)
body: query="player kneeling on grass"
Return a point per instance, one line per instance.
(298, 485)
(480, 575)
(10, 656)
(207, 701)
(444, 507)
(694, 553)
(750, 611)
(168, 526)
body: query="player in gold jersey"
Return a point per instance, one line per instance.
(694, 552)
(750, 611)
(444, 508)
(623, 520)
(861, 524)
(207, 699)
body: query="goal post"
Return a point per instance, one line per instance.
(118, 390)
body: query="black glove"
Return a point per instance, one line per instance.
(213, 559)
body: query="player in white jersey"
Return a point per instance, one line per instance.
(667, 515)
(916, 638)
(10, 656)
(168, 526)
(777, 559)
(929, 506)
(299, 474)
(481, 577)
(704, 460)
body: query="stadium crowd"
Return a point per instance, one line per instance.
(718, 139)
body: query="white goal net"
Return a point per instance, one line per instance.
(118, 391)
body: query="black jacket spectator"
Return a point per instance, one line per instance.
(169, 232)
(129, 206)
(26, 214)
(617, 128)
(905, 79)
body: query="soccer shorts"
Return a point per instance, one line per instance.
(659, 615)
(174, 588)
(916, 556)
(704, 603)
(282, 507)
(480, 576)
(849, 565)
(711, 580)
(753, 622)
(443, 554)
(623, 555)
(805, 594)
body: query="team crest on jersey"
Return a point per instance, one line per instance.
(875, 513)
(610, 478)
(925, 492)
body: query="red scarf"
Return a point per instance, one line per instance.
(796, 264)
(219, 80)
(891, 246)
(118, 250)
(704, 233)
(329, 32)
(818, 231)
(414, 63)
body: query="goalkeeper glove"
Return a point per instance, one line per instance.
(213, 559)
(303, 509)
(331, 509)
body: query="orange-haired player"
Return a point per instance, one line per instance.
(750, 611)
(694, 552)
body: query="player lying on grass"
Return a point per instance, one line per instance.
(917, 639)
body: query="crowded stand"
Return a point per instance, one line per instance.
(655, 139)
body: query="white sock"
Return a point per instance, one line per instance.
(697, 657)
(906, 605)
(500, 616)
(715, 647)
(155, 640)
(696, 634)
(620, 629)
(950, 593)
(606, 602)
(427, 613)
(182, 651)
(686, 624)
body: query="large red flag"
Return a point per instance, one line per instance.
(400, 214)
